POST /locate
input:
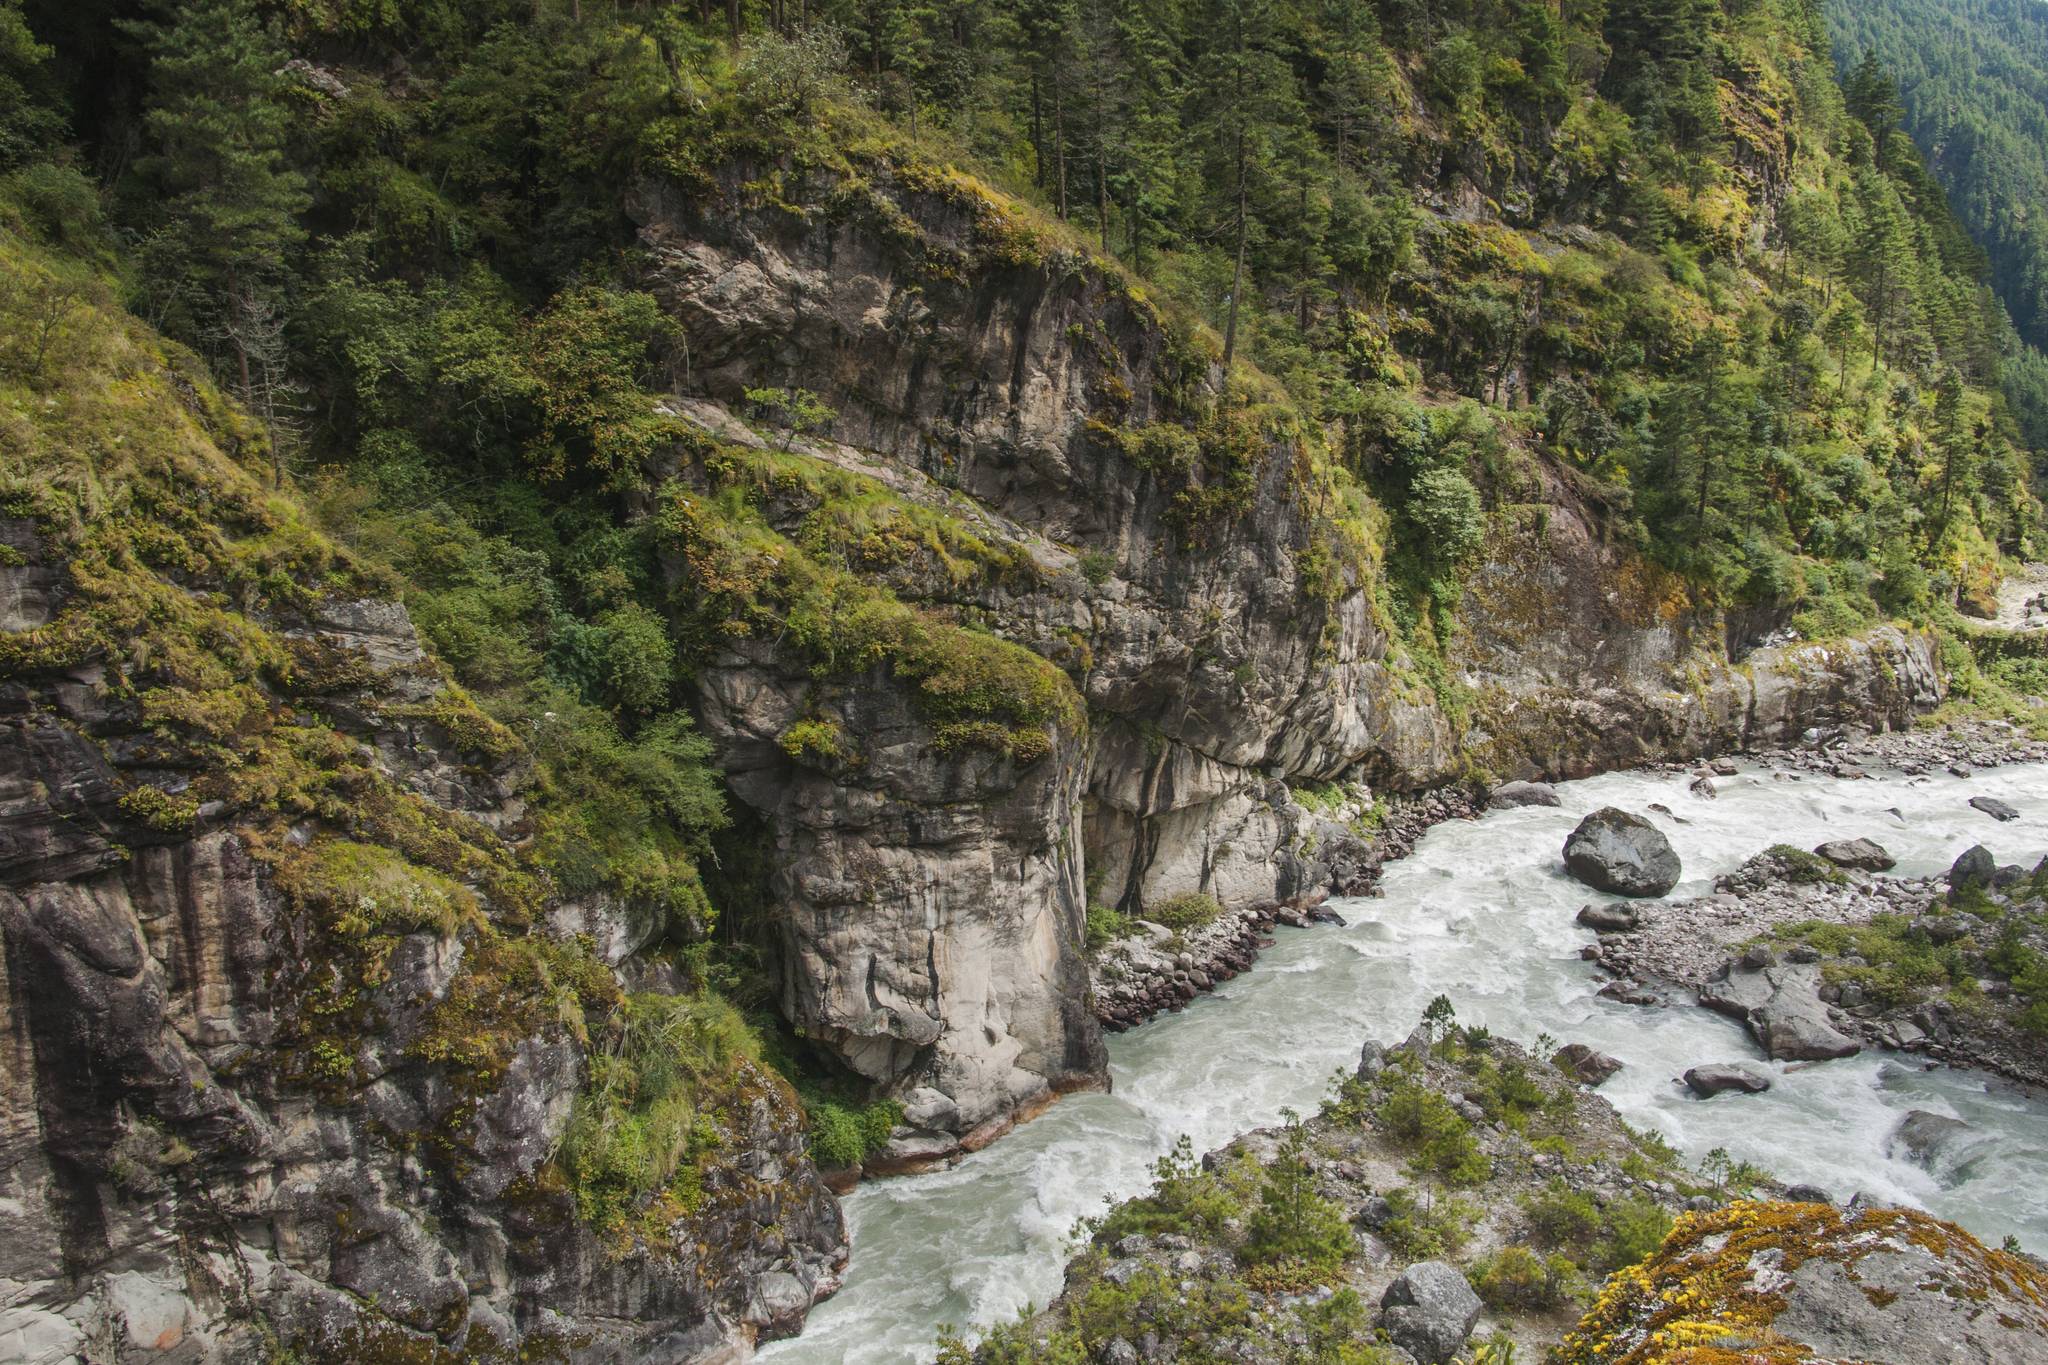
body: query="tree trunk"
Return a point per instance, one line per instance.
(1237, 275)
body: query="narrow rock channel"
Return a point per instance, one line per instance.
(1484, 912)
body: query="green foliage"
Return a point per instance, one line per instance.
(1427, 1226)
(1441, 1141)
(639, 1120)
(1189, 910)
(1184, 1199)
(1294, 1228)
(1106, 925)
(1899, 961)
(797, 412)
(1517, 1280)
(842, 1136)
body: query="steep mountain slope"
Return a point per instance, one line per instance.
(681, 533)
(1971, 88)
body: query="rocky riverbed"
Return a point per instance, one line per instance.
(1152, 968)
(1458, 1193)
(1818, 958)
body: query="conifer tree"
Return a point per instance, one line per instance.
(220, 253)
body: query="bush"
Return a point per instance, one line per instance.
(1420, 1229)
(1515, 1279)
(1563, 1217)
(1444, 1146)
(841, 1136)
(1294, 1225)
(1191, 910)
(1105, 926)
(1185, 1199)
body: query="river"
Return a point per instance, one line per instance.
(1482, 911)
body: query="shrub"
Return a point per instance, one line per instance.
(1563, 1217)
(1185, 1199)
(1295, 1225)
(1634, 1228)
(1190, 910)
(1105, 926)
(1420, 1229)
(1516, 1279)
(841, 1136)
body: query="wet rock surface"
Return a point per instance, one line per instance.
(1616, 851)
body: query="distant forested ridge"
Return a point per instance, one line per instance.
(1972, 90)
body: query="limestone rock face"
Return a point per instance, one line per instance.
(1623, 853)
(1866, 1284)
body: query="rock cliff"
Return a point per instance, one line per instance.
(289, 1053)
(1177, 549)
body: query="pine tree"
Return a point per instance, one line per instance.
(227, 200)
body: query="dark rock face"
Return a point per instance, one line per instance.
(1509, 795)
(1613, 850)
(1589, 1066)
(168, 1173)
(1429, 1311)
(1708, 1081)
(1995, 808)
(1923, 1136)
(1863, 855)
(1973, 867)
(1783, 1009)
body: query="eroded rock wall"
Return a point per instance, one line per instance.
(175, 1186)
(929, 905)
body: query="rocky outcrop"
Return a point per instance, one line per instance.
(1613, 850)
(1783, 1009)
(243, 1115)
(1818, 1283)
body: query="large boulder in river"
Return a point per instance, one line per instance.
(1429, 1311)
(1509, 795)
(1709, 1081)
(1995, 808)
(1623, 853)
(1818, 1283)
(1584, 1064)
(1783, 1009)
(1922, 1136)
(1864, 855)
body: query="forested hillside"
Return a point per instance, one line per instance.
(1972, 90)
(873, 483)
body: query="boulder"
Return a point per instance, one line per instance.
(1921, 1136)
(1623, 853)
(1429, 1311)
(1783, 1009)
(1862, 854)
(1703, 787)
(1709, 1081)
(1584, 1064)
(1994, 808)
(1509, 795)
(1616, 917)
(1973, 867)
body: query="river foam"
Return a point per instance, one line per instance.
(1483, 912)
